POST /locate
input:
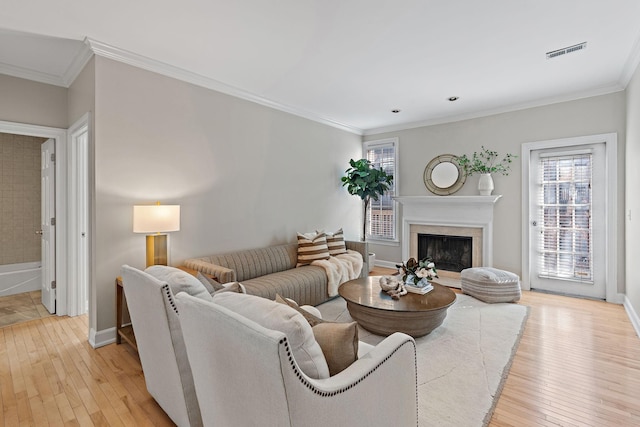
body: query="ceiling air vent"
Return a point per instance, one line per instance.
(566, 50)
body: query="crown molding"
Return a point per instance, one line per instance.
(77, 65)
(25, 73)
(631, 65)
(92, 47)
(139, 61)
(65, 80)
(617, 87)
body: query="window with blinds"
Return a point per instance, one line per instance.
(381, 213)
(565, 217)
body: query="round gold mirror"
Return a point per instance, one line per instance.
(443, 175)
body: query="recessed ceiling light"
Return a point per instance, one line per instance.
(395, 111)
(453, 98)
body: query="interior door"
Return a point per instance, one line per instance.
(79, 229)
(47, 221)
(567, 220)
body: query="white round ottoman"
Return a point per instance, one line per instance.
(490, 284)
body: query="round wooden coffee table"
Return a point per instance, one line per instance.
(413, 314)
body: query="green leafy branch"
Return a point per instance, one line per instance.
(486, 161)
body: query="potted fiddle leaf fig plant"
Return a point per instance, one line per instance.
(362, 179)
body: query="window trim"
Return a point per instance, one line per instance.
(379, 143)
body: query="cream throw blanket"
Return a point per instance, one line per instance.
(340, 268)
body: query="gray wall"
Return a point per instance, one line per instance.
(632, 193)
(25, 101)
(81, 99)
(81, 96)
(506, 133)
(244, 175)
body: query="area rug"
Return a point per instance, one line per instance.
(462, 364)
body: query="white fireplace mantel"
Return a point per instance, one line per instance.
(461, 201)
(453, 211)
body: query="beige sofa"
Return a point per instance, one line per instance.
(267, 271)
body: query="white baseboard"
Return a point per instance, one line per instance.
(386, 264)
(633, 316)
(101, 338)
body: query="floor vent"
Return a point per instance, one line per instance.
(566, 50)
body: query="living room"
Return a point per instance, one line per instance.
(248, 175)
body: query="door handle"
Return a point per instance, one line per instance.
(40, 232)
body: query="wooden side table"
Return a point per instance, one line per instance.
(123, 332)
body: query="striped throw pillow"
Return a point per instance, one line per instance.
(312, 247)
(335, 243)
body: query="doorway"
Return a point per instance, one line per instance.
(21, 266)
(78, 265)
(569, 204)
(59, 136)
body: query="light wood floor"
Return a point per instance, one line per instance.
(578, 364)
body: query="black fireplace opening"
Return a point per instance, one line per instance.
(450, 253)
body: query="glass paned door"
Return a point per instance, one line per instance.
(567, 210)
(565, 217)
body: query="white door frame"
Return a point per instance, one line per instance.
(611, 196)
(78, 265)
(60, 136)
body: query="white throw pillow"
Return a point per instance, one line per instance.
(179, 281)
(280, 317)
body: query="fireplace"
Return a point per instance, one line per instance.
(450, 253)
(469, 217)
(447, 237)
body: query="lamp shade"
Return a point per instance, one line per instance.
(156, 218)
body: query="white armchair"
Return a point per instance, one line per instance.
(166, 368)
(245, 375)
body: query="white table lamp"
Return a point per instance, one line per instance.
(158, 220)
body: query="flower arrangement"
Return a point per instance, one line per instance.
(485, 161)
(415, 271)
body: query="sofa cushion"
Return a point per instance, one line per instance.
(335, 243)
(179, 281)
(210, 283)
(285, 319)
(339, 344)
(306, 285)
(312, 247)
(311, 318)
(214, 287)
(231, 287)
(338, 341)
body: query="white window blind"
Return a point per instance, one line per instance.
(381, 214)
(565, 226)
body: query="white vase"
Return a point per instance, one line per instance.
(485, 184)
(372, 261)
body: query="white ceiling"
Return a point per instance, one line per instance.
(346, 62)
